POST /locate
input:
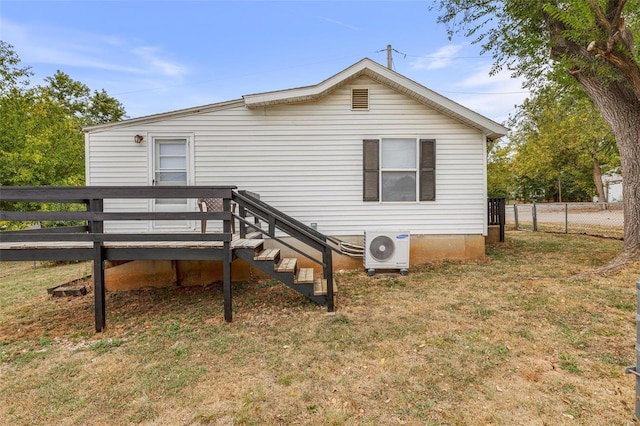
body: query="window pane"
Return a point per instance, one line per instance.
(173, 163)
(175, 148)
(398, 186)
(171, 178)
(398, 153)
(172, 201)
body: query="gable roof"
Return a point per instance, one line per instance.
(390, 78)
(364, 67)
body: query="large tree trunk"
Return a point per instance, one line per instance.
(597, 180)
(620, 107)
(616, 93)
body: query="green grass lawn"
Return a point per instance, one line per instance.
(521, 337)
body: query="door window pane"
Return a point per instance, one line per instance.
(167, 162)
(171, 178)
(171, 147)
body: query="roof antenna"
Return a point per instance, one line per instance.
(389, 57)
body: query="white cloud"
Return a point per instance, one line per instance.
(62, 48)
(441, 58)
(341, 24)
(150, 55)
(494, 96)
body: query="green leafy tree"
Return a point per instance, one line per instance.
(41, 138)
(79, 102)
(592, 41)
(500, 170)
(563, 144)
(12, 77)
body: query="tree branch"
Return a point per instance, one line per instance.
(601, 19)
(614, 12)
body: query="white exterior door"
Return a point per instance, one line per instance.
(171, 162)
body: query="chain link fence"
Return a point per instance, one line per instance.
(600, 219)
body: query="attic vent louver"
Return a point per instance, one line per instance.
(359, 98)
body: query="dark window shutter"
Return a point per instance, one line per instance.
(427, 170)
(371, 167)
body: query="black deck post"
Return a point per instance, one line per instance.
(503, 216)
(328, 273)
(226, 265)
(99, 290)
(242, 211)
(98, 287)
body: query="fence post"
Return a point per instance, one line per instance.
(515, 215)
(566, 218)
(634, 369)
(534, 216)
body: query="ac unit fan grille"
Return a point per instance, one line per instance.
(382, 248)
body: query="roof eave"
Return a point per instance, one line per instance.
(165, 115)
(389, 78)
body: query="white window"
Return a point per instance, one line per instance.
(399, 169)
(398, 165)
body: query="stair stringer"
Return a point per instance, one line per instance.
(287, 278)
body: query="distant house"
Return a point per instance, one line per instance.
(613, 187)
(365, 149)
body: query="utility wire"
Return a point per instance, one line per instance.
(429, 56)
(453, 57)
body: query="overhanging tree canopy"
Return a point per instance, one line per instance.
(590, 40)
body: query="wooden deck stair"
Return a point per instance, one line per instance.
(268, 254)
(288, 264)
(304, 276)
(287, 271)
(320, 287)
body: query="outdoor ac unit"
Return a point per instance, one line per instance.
(386, 250)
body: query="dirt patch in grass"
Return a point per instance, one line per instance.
(512, 339)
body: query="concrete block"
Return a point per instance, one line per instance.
(140, 274)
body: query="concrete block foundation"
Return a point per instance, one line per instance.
(155, 273)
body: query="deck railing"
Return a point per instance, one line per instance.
(251, 205)
(497, 214)
(90, 242)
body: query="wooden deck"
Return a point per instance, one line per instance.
(84, 237)
(236, 243)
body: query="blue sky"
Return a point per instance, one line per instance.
(159, 56)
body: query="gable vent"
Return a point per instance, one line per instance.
(359, 98)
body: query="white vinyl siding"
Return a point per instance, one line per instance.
(306, 159)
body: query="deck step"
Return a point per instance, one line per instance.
(320, 287)
(305, 276)
(253, 235)
(288, 264)
(268, 254)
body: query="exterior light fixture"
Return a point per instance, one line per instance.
(138, 138)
